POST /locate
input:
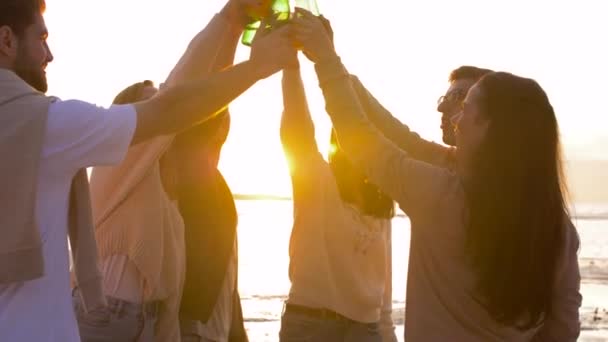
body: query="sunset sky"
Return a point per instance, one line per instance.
(402, 50)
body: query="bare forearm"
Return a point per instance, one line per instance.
(183, 106)
(224, 59)
(199, 141)
(297, 128)
(227, 50)
(202, 52)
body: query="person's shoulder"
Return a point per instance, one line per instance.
(314, 179)
(310, 163)
(78, 110)
(80, 104)
(76, 123)
(570, 236)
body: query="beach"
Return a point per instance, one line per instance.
(265, 226)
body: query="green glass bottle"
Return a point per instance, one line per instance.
(310, 5)
(249, 32)
(280, 11)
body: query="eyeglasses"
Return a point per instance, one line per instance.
(455, 96)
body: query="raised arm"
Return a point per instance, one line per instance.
(204, 141)
(413, 184)
(297, 128)
(227, 49)
(393, 129)
(224, 59)
(182, 106)
(202, 54)
(399, 133)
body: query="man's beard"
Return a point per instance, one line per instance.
(32, 75)
(449, 138)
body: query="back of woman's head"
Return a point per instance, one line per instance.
(517, 200)
(133, 93)
(354, 186)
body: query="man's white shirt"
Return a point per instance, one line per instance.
(78, 135)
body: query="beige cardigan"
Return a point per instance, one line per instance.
(23, 113)
(134, 209)
(135, 217)
(441, 302)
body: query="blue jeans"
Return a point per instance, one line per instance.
(121, 321)
(298, 327)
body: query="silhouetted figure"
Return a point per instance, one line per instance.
(493, 250)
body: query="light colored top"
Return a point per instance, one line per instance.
(386, 324)
(122, 280)
(134, 207)
(78, 135)
(135, 217)
(441, 302)
(337, 256)
(23, 122)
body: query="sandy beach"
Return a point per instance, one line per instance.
(264, 283)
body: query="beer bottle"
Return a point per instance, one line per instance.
(280, 12)
(310, 5)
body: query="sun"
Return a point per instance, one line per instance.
(264, 173)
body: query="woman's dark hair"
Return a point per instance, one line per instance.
(375, 202)
(517, 201)
(132, 93)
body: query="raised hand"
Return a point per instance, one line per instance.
(314, 35)
(327, 24)
(242, 12)
(255, 9)
(272, 50)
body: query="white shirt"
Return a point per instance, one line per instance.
(78, 135)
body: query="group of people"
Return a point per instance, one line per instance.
(153, 234)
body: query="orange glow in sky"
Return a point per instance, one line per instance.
(403, 51)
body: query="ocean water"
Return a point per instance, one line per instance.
(265, 227)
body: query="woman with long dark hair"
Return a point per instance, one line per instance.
(493, 253)
(139, 228)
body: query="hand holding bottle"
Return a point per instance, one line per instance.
(279, 9)
(256, 9)
(312, 36)
(272, 50)
(328, 28)
(239, 12)
(309, 5)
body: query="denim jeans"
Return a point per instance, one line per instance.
(121, 321)
(298, 327)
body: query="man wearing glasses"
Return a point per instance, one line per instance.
(461, 80)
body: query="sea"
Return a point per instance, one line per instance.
(265, 227)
